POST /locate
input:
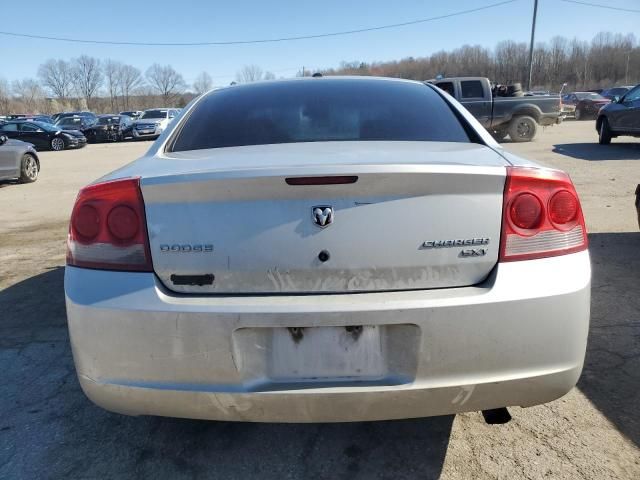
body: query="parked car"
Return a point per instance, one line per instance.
(615, 92)
(110, 128)
(295, 246)
(31, 118)
(583, 105)
(153, 122)
(43, 135)
(516, 116)
(75, 122)
(89, 115)
(40, 118)
(621, 117)
(18, 160)
(134, 114)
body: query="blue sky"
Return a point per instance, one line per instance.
(184, 21)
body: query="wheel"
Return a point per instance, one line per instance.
(578, 114)
(28, 169)
(499, 135)
(522, 128)
(604, 133)
(57, 144)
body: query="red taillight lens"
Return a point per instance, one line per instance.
(108, 228)
(123, 222)
(563, 207)
(86, 222)
(526, 211)
(542, 215)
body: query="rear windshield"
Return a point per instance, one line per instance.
(589, 96)
(69, 121)
(317, 110)
(108, 120)
(155, 114)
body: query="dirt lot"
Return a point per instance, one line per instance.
(48, 429)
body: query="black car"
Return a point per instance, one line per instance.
(86, 114)
(43, 135)
(615, 92)
(620, 117)
(110, 128)
(31, 118)
(584, 104)
(75, 122)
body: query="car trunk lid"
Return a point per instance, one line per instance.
(418, 215)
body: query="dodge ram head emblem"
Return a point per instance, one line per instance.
(322, 215)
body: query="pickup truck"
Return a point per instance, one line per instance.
(515, 115)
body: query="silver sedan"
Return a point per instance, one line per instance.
(326, 250)
(18, 161)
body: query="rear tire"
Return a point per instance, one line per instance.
(604, 132)
(522, 128)
(578, 114)
(28, 169)
(57, 144)
(499, 135)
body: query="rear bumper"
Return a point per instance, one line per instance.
(553, 119)
(517, 339)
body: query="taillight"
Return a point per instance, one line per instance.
(108, 228)
(541, 215)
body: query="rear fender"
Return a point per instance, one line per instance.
(529, 110)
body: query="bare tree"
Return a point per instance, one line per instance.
(57, 76)
(30, 94)
(249, 73)
(88, 76)
(130, 80)
(5, 96)
(269, 76)
(111, 70)
(168, 83)
(202, 83)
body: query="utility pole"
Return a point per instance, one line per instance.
(626, 70)
(533, 34)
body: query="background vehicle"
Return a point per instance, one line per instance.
(86, 114)
(327, 241)
(110, 128)
(152, 122)
(18, 160)
(134, 114)
(615, 92)
(516, 116)
(583, 105)
(24, 116)
(75, 122)
(43, 135)
(620, 117)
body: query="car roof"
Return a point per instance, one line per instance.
(333, 78)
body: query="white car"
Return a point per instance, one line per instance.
(325, 250)
(153, 122)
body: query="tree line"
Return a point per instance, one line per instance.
(109, 86)
(608, 60)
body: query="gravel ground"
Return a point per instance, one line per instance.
(48, 429)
